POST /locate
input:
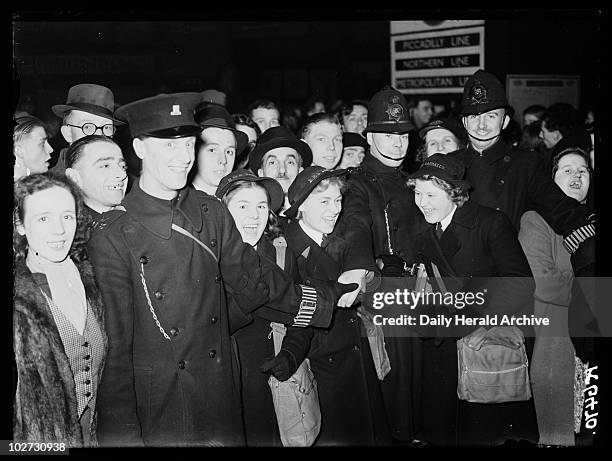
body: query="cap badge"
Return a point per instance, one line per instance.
(478, 94)
(395, 111)
(176, 110)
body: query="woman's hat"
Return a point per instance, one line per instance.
(275, 190)
(449, 124)
(354, 140)
(214, 115)
(278, 136)
(388, 113)
(91, 98)
(304, 183)
(444, 167)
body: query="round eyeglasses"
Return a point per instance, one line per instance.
(90, 128)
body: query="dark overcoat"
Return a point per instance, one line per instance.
(340, 356)
(479, 249)
(372, 189)
(514, 181)
(182, 389)
(45, 399)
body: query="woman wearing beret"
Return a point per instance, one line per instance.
(554, 361)
(340, 356)
(252, 201)
(470, 244)
(59, 338)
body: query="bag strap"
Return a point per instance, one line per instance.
(186, 233)
(280, 245)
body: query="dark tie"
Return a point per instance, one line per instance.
(325, 241)
(439, 230)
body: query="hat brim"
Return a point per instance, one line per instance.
(257, 154)
(462, 137)
(242, 140)
(182, 131)
(488, 107)
(61, 109)
(292, 211)
(430, 171)
(272, 186)
(396, 128)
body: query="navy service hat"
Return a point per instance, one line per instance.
(304, 183)
(449, 124)
(443, 167)
(275, 190)
(278, 136)
(354, 140)
(483, 92)
(162, 116)
(388, 113)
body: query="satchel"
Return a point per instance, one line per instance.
(296, 401)
(493, 366)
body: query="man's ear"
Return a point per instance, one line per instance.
(506, 121)
(260, 173)
(75, 176)
(369, 138)
(139, 147)
(18, 150)
(300, 169)
(66, 133)
(464, 121)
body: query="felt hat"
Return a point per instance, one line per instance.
(275, 190)
(304, 183)
(91, 98)
(278, 136)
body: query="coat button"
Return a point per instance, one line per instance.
(213, 243)
(355, 347)
(308, 282)
(144, 260)
(85, 344)
(174, 332)
(87, 394)
(181, 364)
(158, 295)
(501, 182)
(205, 208)
(213, 320)
(395, 228)
(212, 353)
(87, 357)
(330, 360)
(325, 332)
(217, 278)
(497, 208)
(352, 320)
(506, 158)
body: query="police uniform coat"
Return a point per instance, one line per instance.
(514, 181)
(184, 389)
(372, 188)
(477, 249)
(45, 398)
(340, 357)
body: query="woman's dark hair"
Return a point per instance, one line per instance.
(530, 137)
(33, 183)
(570, 150)
(561, 116)
(273, 229)
(244, 119)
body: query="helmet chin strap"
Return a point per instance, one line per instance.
(484, 140)
(386, 156)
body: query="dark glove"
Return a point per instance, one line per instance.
(282, 366)
(340, 288)
(393, 266)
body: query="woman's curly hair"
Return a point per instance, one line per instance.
(33, 183)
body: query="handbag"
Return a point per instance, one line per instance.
(493, 366)
(296, 401)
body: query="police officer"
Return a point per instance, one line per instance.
(510, 179)
(163, 266)
(380, 220)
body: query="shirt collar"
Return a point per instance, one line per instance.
(446, 221)
(156, 214)
(313, 234)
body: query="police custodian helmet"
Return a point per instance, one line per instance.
(483, 92)
(388, 113)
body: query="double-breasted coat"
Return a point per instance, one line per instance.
(374, 188)
(479, 249)
(340, 357)
(45, 398)
(181, 388)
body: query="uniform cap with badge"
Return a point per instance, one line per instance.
(304, 183)
(162, 116)
(388, 113)
(482, 93)
(272, 186)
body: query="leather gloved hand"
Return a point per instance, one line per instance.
(282, 366)
(392, 266)
(340, 288)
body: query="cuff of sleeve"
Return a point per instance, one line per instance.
(308, 306)
(573, 240)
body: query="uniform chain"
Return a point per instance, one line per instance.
(146, 290)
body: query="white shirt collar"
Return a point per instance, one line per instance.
(313, 234)
(446, 221)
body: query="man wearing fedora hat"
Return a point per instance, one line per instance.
(379, 220)
(163, 266)
(216, 147)
(278, 154)
(89, 110)
(510, 179)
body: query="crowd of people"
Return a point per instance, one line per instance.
(150, 271)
